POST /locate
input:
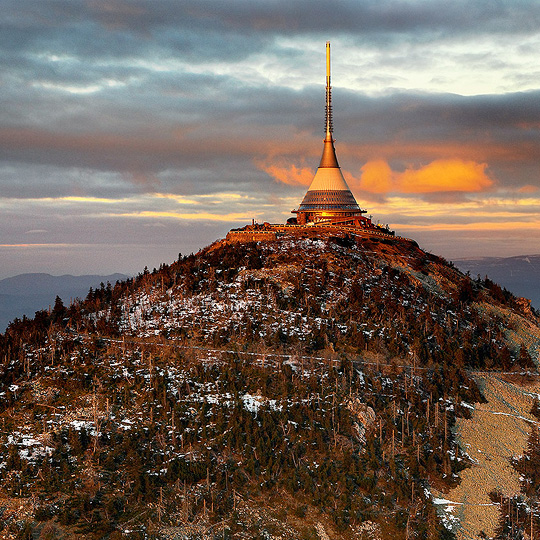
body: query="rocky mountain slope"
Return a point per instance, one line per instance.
(497, 433)
(303, 388)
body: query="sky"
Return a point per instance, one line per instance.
(132, 131)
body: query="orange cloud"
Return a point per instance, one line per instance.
(291, 175)
(377, 177)
(528, 189)
(443, 175)
(446, 175)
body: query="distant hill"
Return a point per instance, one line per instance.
(25, 294)
(520, 275)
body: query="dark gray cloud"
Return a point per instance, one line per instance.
(226, 138)
(445, 115)
(213, 29)
(371, 16)
(502, 130)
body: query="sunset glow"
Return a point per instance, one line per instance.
(156, 127)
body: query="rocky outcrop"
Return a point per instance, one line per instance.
(364, 416)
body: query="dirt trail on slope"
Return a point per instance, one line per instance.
(497, 431)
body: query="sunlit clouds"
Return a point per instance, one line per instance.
(130, 131)
(205, 216)
(287, 174)
(445, 175)
(376, 177)
(439, 176)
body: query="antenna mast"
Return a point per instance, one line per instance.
(329, 128)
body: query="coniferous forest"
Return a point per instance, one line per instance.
(289, 389)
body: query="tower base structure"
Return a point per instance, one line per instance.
(331, 206)
(267, 232)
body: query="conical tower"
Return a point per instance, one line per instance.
(329, 199)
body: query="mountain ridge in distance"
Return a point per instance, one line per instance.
(520, 274)
(24, 294)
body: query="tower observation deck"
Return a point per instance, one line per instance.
(329, 199)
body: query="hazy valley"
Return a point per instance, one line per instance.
(25, 294)
(520, 274)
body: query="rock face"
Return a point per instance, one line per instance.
(292, 388)
(525, 305)
(364, 415)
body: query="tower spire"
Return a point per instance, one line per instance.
(329, 128)
(328, 158)
(329, 199)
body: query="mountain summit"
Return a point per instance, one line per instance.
(304, 387)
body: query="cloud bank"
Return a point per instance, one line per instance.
(121, 118)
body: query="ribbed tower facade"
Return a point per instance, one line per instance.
(329, 199)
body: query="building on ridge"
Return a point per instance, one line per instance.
(329, 199)
(329, 207)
